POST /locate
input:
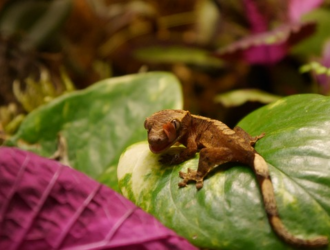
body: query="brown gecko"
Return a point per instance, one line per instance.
(217, 144)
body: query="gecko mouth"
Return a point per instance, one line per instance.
(159, 148)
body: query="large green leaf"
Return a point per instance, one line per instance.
(228, 213)
(99, 122)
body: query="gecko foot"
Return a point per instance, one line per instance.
(191, 175)
(260, 136)
(256, 138)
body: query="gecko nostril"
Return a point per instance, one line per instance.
(156, 140)
(153, 139)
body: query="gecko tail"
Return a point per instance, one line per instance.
(282, 232)
(267, 190)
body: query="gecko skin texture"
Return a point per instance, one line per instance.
(217, 144)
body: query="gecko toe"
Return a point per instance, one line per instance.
(199, 184)
(190, 175)
(182, 175)
(182, 184)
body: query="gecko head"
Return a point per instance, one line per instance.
(165, 128)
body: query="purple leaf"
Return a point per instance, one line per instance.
(324, 79)
(325, 61)
(265, 53)
(257, 21)
(46, 205)
(267, 47)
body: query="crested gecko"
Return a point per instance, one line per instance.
(217, 144)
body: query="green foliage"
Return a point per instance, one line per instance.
(238, 97)
(177, 54)
(316, 67)
(228, 213)
(99, 122)
(42, 91)
(9, 120)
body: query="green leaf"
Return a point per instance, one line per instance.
(238, 97)
(99, 122)
(316, 67)
(228, 213)
(177, 54)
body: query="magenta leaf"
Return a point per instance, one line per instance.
(323, 76)
(257, 21)
(267, 47)
(325, 61)
(46, 205)
(265, 53)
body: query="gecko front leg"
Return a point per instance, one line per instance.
(208, 159)
(186, 154)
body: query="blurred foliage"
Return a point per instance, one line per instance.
(181, 54)
(238, 97)
(316, 67)
(40, 92)
(268, 41)
(9, 121)
(35, 94)
(313, 45)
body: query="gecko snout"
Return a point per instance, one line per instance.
(155, 140)
(157, 143)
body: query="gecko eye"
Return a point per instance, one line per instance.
(176, 124)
